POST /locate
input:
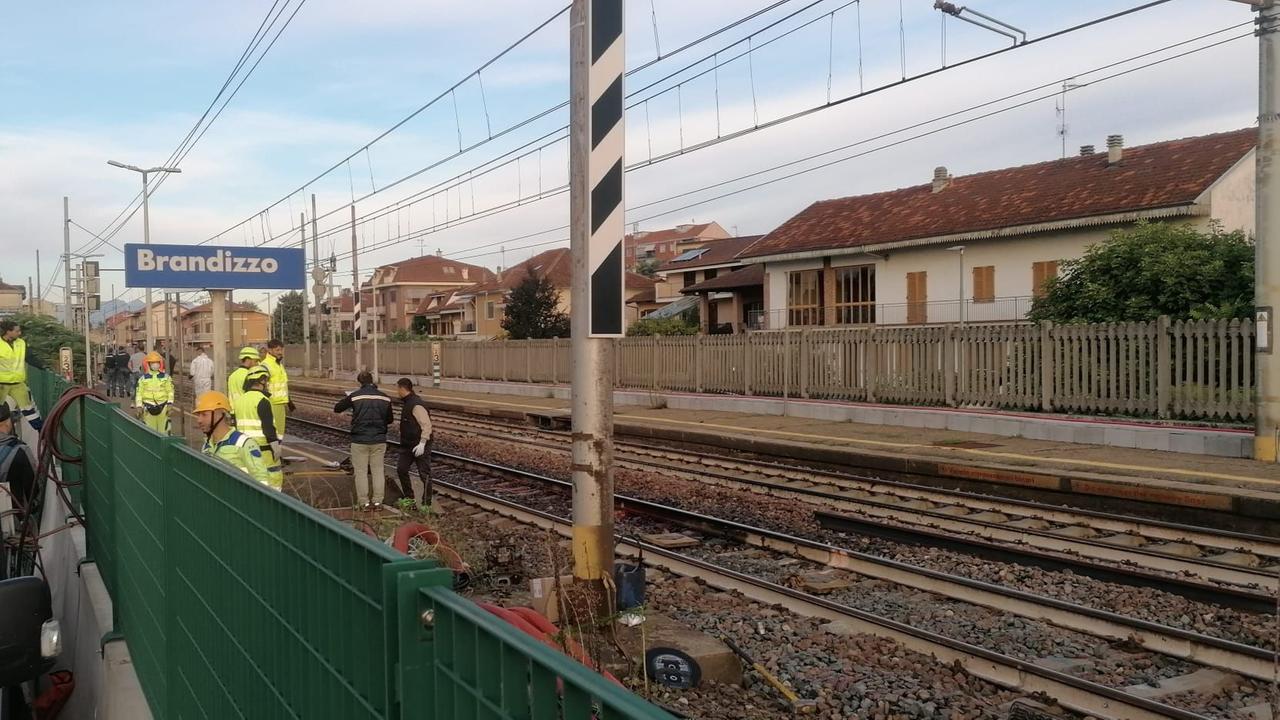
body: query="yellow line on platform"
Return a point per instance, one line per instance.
(901, 445)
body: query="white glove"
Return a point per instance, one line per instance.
(275, 450)
(420, 448)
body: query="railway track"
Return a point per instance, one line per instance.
(1236, 569)
(544, 501)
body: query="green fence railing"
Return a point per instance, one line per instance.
(240, 602)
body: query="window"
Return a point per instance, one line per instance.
(804, 297)
(708, 274)
(450, 270)
(393, 296)
(690, 278)
(490, 310)
(1042, 272)
(856, 295)
(918, 297)
(984, 284)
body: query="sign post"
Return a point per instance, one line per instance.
(216, 269)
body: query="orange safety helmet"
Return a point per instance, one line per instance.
(153, 357)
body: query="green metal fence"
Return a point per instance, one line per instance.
(240, 602)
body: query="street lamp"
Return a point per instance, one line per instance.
(146, 233)
(959, 250)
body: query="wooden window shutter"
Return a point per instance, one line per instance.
(984, 283)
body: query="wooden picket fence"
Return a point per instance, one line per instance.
(1190, 369)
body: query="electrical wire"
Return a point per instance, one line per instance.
(868, 140)
(449, 224)
(464, 149)
(180, 154)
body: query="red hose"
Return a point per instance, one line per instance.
(410, 530)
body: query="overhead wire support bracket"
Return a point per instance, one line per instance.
(1016, 34)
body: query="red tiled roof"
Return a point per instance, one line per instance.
(644, 296)
(749, 276)
(432, 269)
(683, 232)
(555, 264)
(1149, 177)
(717, 252)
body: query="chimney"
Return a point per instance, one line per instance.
(439, 252)
(499, 273)
(1115, 149)
(941, 178)
(1086, 150)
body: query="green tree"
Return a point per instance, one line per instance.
(286, 318)
(532, 310)
(649, 267)
(1153, 269)
(46, 336)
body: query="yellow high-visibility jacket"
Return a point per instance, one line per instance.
(13, 361)
(154, 388)
(279, 381)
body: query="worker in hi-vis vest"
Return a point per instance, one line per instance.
(249, 357)
(14, 357)
(154, 394)
(279, 385)
(221, 441)
(254, 418)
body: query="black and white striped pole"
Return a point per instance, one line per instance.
(596, 142)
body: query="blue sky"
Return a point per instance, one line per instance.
(83, 82)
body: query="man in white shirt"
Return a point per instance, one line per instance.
(202, 372)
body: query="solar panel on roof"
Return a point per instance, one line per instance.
(688, 255)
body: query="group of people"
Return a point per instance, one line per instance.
(370, 417)
(245, 426)
(123, 366)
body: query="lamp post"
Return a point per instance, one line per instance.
(146, 233)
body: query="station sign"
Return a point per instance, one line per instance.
(208, 267)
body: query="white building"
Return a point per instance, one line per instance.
(900, 257)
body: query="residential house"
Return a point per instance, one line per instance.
(662, 245)
(696, 265)
(246, 325)
(399, 288)
(117, 327)
(164, 318)
(903, 256)
(12, 297)
(730, 302)
(342, 309)
(476, 312)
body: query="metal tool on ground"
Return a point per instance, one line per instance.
(798, 704)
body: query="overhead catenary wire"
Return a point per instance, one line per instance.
(523, 123)
(1053, 84)
(181, 153)
(457, 180)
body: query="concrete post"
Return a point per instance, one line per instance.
(218, 299)
(592, 71)
(697, 362)
(306, 306)
(1267, 249)
(949, 366)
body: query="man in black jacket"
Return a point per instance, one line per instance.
(16, 467)
(370, 416)
(415, 441)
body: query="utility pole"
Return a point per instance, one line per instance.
(335, 315)
(1267, 248)
(315, 257)
(356, 319)
(39, 294)
(306, 306)
(596, 207)
(66, 261)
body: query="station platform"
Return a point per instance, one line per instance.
(1195, 488)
